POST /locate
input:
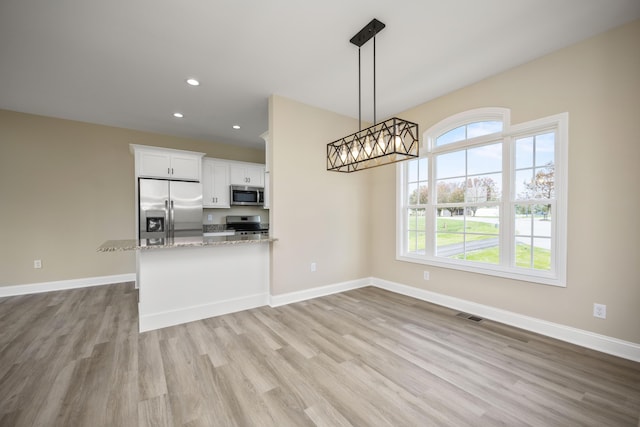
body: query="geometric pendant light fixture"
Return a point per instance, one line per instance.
(383, 143)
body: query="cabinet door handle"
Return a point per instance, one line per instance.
(168, 171)
(171, 171)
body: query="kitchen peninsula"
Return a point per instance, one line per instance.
(193, 278)
(186, 271)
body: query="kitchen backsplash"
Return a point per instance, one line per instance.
(212, 228)
(218, 216)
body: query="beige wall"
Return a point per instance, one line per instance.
(598, 83)
(65, 188)
(304, 193)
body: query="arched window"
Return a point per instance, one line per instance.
(488, 197)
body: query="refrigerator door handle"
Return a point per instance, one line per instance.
(172, 229)
(167, 219)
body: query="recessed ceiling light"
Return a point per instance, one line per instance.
(236, 126)
(178, 115)
(193, 82)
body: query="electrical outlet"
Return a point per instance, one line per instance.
(209, 217)
(313, 266)
(37, 263)
(600, 310)
(426, 275)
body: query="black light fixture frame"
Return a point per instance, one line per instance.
(391, 141)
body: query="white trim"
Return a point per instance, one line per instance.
(598, 342)
(59, 285)
(488, 269)
(149, 322)
(478, 114)
(557, 275)
(291, 297)
(135, 147)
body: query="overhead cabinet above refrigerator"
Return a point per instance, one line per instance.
(152, 162)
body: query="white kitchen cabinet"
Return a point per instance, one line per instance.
(184, 284)
(167, 163)
(251, 174)
(215, 184)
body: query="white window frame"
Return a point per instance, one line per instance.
(559, 123)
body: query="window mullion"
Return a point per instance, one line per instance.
(507, 218)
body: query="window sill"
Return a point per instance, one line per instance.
(487, 269)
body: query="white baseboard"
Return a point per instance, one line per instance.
(149, 322)
(59, 285)
(603, 343)
(291, 297)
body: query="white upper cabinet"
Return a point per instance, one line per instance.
(215, 184)
(152, 162)
(185, 166)
(250, 174)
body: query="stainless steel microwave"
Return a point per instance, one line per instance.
(247, 196)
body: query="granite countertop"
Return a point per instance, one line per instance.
(178, 242)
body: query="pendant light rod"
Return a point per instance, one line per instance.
(374, 79)
(364, 35)
(359, 93)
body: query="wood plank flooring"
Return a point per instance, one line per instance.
(361, 358)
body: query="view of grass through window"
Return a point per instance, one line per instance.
(454, 232)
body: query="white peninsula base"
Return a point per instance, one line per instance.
(184, 284)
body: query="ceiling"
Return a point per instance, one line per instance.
(124, 63)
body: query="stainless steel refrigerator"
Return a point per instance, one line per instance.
(169, 209)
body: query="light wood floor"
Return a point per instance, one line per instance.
(362, 358)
